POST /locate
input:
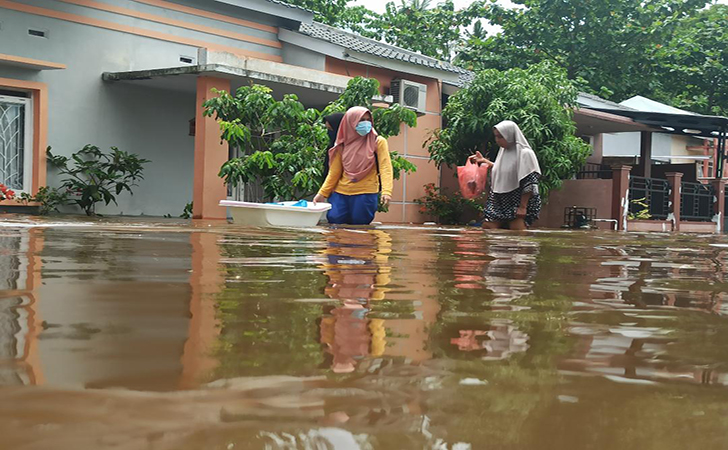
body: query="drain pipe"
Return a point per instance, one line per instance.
(614, 222)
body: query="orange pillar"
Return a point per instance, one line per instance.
(210, 155)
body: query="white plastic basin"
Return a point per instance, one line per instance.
(276, 215)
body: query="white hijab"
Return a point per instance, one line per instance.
(515, 162)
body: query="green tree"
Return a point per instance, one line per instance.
(325, 11)
(282, 144)
(539, 99)
(434, 32)
(694, 63)
(338, 13)
(610, 45)
(420, 5)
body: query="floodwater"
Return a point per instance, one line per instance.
(164, 335)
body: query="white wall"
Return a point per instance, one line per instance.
(299, 56)
(628, 144)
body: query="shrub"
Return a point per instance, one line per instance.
(450, 209)
(49, 198)
(94, 176)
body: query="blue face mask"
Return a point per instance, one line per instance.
(363, 128)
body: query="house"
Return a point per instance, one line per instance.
(690, 154)
(645, 155)
(134, 73)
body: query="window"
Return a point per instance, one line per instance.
(588, 139)
(16, 144)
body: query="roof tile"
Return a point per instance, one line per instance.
(361, 44)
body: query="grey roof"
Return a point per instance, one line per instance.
(361, 44)
(465, 78)
(592, 101)
(279, 2)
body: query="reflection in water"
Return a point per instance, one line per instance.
(358, 271)
(499, 341)
(167, 336)
(18, 318)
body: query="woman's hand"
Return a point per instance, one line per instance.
(521, 212)
(386, 199)
(478, 158)
(319, 199)
(523, 206)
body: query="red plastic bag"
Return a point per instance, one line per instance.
(472, 178)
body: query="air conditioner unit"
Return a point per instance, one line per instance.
(410, 94)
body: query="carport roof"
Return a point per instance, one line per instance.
(685, 124)
(313, 90)
(590, 122)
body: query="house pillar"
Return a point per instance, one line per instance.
(620, 195)
(210, 155)
(675, 180)
(645, 154)
(719, 189)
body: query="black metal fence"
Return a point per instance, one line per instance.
(697, 202)
(656, 194)
(594, 172)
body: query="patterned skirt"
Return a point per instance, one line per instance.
(503, 207)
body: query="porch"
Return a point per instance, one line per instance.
(223, 71)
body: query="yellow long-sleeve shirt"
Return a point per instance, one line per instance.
(337, 181)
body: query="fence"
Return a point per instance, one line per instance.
(696, 202)
(655, 192)
(594, 172)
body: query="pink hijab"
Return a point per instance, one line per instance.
(357, 152)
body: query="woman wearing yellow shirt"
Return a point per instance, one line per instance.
(360, 162)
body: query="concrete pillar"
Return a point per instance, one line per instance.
(210, 155)
(719, 188)
(620, 195)
(675, 180)
(646, 154)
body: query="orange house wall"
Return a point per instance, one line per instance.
(408, 143)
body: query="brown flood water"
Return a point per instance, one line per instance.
(165, 335)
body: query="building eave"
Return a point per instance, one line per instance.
(340, 52)
(275, 8)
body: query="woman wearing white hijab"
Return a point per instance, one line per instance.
(514, 201)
